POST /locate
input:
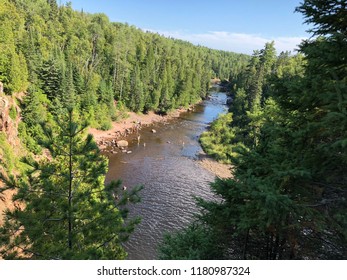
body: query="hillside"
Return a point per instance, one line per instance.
(56, 61)
(10, 146)
(63, 58)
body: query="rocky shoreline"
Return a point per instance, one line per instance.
(115, 138)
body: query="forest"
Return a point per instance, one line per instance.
(60, 57)
(286, 136)
(62, 71)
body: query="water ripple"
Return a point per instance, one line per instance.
(170, 176)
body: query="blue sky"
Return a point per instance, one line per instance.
(233, 25)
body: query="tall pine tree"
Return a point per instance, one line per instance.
(64, 210)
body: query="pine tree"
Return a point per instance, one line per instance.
(137, 96)
(287, 198)
(65, 210)
(13, 65)
(328, 17)
(51, 77)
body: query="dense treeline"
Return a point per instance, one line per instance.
(75, 70)
(62, 57)
(286, 136)
(251, 95)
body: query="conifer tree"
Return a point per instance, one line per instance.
(51, 77)
(137, 95)
(287, 198)
(65, 211)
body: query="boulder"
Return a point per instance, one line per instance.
(122, 143)
(154, 131)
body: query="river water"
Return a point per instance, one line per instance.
(165, 163)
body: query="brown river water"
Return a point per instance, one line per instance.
(165, 163)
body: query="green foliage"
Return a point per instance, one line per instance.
(8, 159)
(28, 140)
(218, 141)
(13, 112)
(102, 117)
(193, 243)
(287, 197)
(120, 111)
(83, 61)
(68, 213)
(13, 69)
(35, 112)
(328, 17)
(51, 78)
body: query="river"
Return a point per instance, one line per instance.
(165, 163)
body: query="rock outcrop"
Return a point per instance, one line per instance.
(8, 125)
(122, 143)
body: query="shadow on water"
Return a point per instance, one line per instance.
(167, 169)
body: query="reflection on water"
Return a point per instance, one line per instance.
(171, 177)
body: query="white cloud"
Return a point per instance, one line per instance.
(236, 42)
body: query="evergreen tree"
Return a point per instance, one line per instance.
(137, 101)
(51, 77)
(65, 210)
(68, 96)
(328, 17)
(193, 243)
(13, 68)
(35, 111)
(287, 198)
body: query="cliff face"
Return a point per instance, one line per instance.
(9, 118)
(10, 146)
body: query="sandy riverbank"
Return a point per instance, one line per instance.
(221, 170)
(135, 122)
